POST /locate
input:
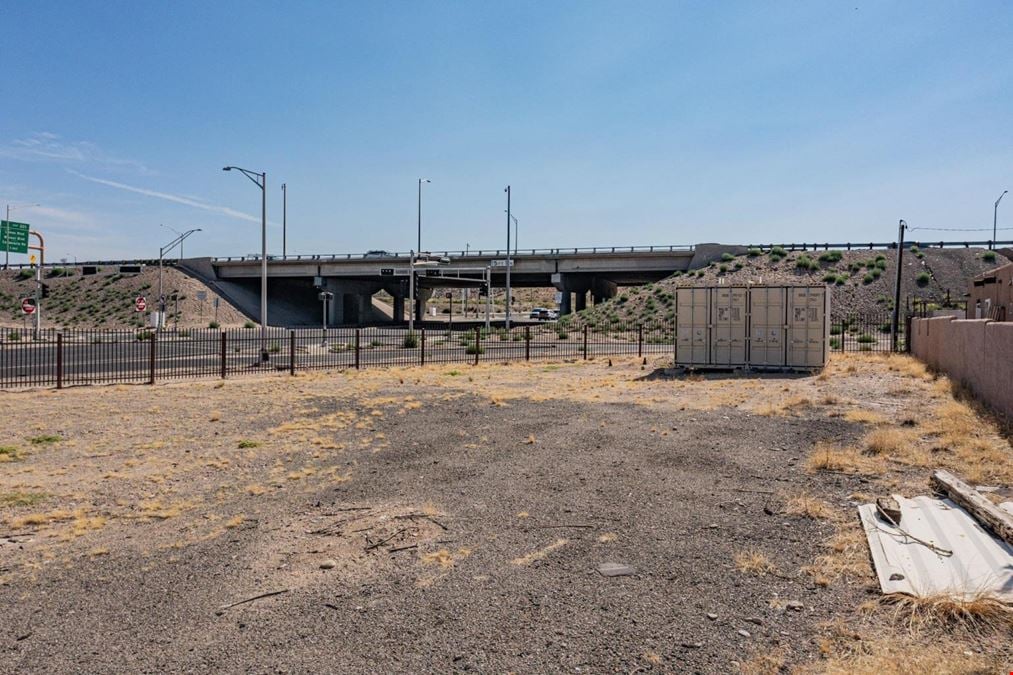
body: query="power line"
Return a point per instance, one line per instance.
(958, 229)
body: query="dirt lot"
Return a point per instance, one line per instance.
(447, 519)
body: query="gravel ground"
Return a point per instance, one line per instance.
(427, 520)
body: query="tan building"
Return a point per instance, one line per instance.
(991, 295)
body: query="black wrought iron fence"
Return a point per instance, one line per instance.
(54, 358)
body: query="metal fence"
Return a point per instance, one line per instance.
(76, 357)
(65, 358)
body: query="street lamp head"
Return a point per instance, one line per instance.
(227, 168)
(424, 180)
(1000, 198)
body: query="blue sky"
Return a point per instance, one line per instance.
(616, 123)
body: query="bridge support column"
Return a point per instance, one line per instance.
(398, 308)
(422, 296)
(581, 301)
(565, 303)
(603, 289)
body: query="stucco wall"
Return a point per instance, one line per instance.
(977, 353)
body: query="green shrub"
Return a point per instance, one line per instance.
(830, 278)
(865, 339)
(249, 324)
(472, 348)
(25, 273)
(830, 256)
(274, 348)
(562, 334)
(375, 343)
(885, 327)
(411, 340)
(835, 343)
(836, 330)
(14, 336)
(214, 324)
(923, 279)
(722, 269)
(988, 256)
(841, 280)
(699, 274)
(754, 252)
(777, 252)
(727, 257)
(737, 265)
(868, 279)
(881, 263)
(246, 444)
(145, 335)
(45, 439)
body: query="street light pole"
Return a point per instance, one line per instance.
(421, 181)
(260, 180)
(178, 241)
(995, 215)
(507, 318)
(411, 293)
(284, 220)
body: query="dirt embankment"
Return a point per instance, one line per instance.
(106, 299)
(861, 281)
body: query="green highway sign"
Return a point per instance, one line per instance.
(13, 236)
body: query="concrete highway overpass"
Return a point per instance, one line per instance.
(578, 273)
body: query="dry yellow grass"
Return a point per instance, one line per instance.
(444, 558)
(847, 557)
(753, 562)
(848, 653)
(831, 457)
(980, 615)
(892, 441)
(234, 522)
(540, 553)
(864, 416)
(764, 663)
(810, 507)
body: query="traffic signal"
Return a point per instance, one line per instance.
(45, 290)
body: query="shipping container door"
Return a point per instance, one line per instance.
(728, 326)
(807, 327)
(766, 326)
(693, 340)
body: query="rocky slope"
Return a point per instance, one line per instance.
(861, 281)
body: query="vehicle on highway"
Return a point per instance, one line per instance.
(536, 313)
(377, 253)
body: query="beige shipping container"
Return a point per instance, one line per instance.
(767, 326)
(729, 313)
(752, 326)
(692, 344)
(808, 333)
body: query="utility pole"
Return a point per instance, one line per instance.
(896, 290)
(284, 220)
(507, 318)
(995, 216)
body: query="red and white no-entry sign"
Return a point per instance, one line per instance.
(28, 305)
(140, 304)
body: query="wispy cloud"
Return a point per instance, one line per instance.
(44, 146)
(169, 197)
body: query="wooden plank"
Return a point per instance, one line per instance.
(987, 513)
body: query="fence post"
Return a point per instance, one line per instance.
(151, 356)
(59, 360)
(478, 342)
(640, 340)
(291, 352)
(585, 342)
(422, 347)
(527, 343)
(224, 367)
(357, 330)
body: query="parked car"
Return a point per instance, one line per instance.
(553, 315)
(536, 313)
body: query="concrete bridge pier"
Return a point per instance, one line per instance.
(603, 289)
(566, 303)
(422, 296)
(581, 303)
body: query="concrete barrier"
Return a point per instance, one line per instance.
(975, 353)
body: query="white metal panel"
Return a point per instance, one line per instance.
(807, 327)
(980, 564)
(692, 325)
(728, 326)
(767, 326)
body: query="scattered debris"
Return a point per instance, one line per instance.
(972, 501)
(744, 633)
(941, 550)
(611, 569)
(328, 564)
(269, 594)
